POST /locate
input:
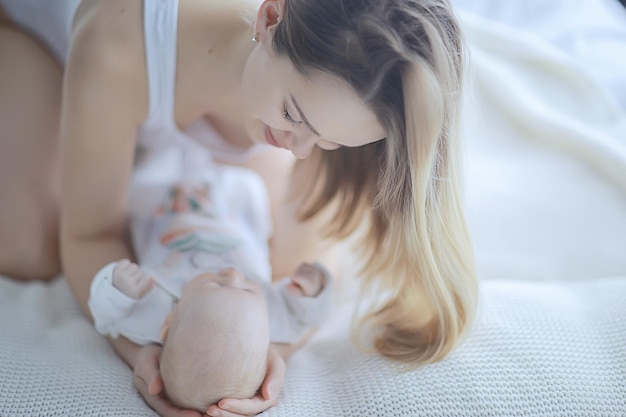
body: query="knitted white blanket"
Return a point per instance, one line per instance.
(538, 349)
(546, 204)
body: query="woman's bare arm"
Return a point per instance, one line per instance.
(104, 102)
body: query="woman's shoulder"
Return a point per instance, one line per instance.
(217, 14)
(118, 24)
(108, 34)
(105, 73)
(213, 23)
(108, 20)
(107, 41)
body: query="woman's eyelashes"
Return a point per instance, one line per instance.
(324, 144)
(288, 118)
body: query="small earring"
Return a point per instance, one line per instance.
(255, 38)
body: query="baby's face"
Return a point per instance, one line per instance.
(226, 296)
(227, 279)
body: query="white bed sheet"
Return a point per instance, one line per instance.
(546, 204)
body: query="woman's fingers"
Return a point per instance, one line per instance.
(270, 389)
(161, 405)
(215, 411)
(149, 384)
(147, 368)
(275, 378)
(247, 407)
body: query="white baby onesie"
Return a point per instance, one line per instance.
(223, 220)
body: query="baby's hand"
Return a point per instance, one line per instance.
(306, 281)
(129, 279)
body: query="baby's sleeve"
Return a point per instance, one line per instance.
(291, 316)
(107, 304)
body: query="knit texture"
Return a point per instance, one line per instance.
(537, 349)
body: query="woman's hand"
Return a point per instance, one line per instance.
(231, 407)
(149, 383)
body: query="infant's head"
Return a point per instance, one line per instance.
(217, 341)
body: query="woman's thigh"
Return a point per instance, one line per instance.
(30, 98)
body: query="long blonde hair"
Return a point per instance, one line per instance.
(405, 59)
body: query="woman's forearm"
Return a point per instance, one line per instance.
(126, 349)
(83, 257)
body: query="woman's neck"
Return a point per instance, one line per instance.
(225, 108)
(214, 45)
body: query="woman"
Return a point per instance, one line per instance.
(365, 93)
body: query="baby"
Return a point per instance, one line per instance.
(216, 335)
(204, 290)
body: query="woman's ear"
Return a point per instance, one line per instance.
(166, 326)
(270, 14)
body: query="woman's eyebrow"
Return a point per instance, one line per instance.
(302, 116)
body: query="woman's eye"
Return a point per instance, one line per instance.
(290, 119)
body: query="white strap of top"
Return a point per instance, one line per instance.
(160, 32)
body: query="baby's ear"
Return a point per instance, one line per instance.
(166, 325)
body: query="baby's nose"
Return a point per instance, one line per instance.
(232, 275)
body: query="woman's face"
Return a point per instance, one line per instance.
(286, 110)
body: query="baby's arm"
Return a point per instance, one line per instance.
(114, 291)
(299, 303)
(308, 293)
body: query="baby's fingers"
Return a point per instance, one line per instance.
(304, 269)
(295, 289)
(123, 266)
(307, 285)
(133, 269)
(143, 285)
(138, 275)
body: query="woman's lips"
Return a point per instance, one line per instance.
(269, 137)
